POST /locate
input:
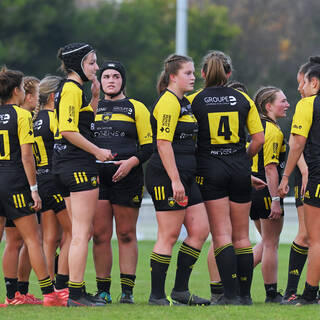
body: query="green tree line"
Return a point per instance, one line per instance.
(140, 33)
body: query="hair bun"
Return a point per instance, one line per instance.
(315, 59)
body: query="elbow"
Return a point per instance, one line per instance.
(270, 169)
(27, 158)
(260, 139)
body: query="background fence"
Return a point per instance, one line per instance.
(147, 224)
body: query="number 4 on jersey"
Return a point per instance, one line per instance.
(224, 127)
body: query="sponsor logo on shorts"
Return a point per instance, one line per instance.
(94, 181)
(171, 201)
(136, 199)
(307, 194)
(30, 204)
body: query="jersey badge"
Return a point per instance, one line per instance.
(94, 181)
(171, 201)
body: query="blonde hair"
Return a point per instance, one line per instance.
(263, 96)
(48, 85)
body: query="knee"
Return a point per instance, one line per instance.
(169, 240)
(199, 237)
(101, 238)
(241, 242)
(302, 240)
(51, 240)
(126, 236)
(270, 244)
(14, 245)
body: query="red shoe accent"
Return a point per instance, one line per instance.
(63, 295)
(52, 300)
(18, 299)
(3, 305)
(31, 299)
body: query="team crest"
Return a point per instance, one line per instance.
(106, 117)
(171, 201)
(94, 181)
(30, 204)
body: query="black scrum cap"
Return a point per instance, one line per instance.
(115, 65)
(73, 55)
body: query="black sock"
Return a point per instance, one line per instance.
(103, 284)
(11, 286)
(227, 265)
(298, 257)
(216, 287)
(46, 285)
(271, 289)
(23, 287)
(56, 263)
(127, 282)
(245, 269)
(159, 265)
(187, 257)
(310, 292)
(62, 281)
(76, 289)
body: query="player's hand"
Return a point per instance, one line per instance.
(257, 183)
(178, 190)
(276, 210)
(125, 167)
(95, 87)
(37, 203)
(283, 188)
(304, 184)
(104, 155)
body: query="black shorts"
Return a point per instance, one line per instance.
(49, 194)
(228, 176)
(75, 182)
(158, 185)
(127, 192)
(261, 204)
(312, 194)
(297, 187)
(10, 223)
(15, 195)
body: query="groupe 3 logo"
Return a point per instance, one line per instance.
(4, 118)
(231, 100)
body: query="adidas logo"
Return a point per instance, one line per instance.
(294, 272)
(136, 199)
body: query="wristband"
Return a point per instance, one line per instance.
(275, 198)
(34, 188)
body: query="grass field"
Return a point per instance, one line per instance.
(199, 284)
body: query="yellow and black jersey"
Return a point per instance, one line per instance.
(73, 114)
(44, 128)
(223, 114)
(123, 126)
(306, 123)
(172, 120)
(16, 129)
(273, 150)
